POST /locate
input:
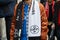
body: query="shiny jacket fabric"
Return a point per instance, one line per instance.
(7, 9)
(44, 22)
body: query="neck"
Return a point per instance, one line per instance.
(28, 1)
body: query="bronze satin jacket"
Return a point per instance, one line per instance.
(44, 23)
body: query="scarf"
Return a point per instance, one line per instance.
(34, 24)
(24, 23)
(16, 25)
(27, 23)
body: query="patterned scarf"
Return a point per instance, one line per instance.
(29, 20)
(24, 23)
(34, 27)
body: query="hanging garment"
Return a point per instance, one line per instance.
(4, 2)
(43, 24)
(24, 22)
(34, 24)
(53, 3)
(34, 28)
(3, 29)
(47, 9)
(16, 25)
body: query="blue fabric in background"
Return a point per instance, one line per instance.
(4, 2)
(7, 10)
(24, 31)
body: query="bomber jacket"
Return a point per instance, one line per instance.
(44, 23)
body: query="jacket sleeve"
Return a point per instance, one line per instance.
(44, 23)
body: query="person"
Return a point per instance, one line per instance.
(49, 8)
(6, 11)
(33, 21)
(56, 19)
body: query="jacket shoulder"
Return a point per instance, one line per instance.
(41, 6)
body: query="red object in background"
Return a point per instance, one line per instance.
(47, 9)
(59, 18)
(53, 2)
